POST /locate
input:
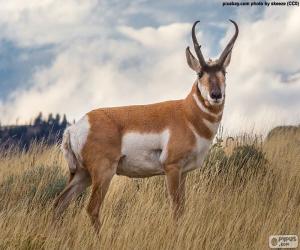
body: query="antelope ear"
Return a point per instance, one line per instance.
(227, 60)
(192, 61)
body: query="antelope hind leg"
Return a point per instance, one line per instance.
(101, 178)
(79, 182)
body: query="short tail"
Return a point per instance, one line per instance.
(69, 153)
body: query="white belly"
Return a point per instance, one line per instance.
(143, 154)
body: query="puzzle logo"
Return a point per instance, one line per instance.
(283, 241)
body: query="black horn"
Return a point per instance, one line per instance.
(229, 46)
(197, 47)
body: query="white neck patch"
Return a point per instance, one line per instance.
(203, 108)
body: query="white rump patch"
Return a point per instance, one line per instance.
(78, 135)
(144, 153)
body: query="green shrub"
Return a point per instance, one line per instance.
(244, 163)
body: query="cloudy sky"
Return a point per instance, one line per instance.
(76, 55)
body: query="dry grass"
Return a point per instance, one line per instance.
(234, 202)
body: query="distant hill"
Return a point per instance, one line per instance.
(287, 131)
(287, 137)
(49, 130)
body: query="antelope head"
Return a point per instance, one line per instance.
(211, 74)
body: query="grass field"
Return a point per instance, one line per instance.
(236, 201)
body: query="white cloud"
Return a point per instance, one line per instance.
(164, 37)
(36, 23)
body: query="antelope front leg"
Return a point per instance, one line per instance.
(175, 185)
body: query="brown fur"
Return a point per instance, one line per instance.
(109, 124)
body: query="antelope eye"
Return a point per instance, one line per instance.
(200, 74)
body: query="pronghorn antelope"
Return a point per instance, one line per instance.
(169, 138)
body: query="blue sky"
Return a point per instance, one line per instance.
(73, 56)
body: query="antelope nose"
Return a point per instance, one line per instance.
(216, 95)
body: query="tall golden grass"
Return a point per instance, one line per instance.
(234, 202)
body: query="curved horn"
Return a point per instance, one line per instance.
(229, 46)
(197, 47)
